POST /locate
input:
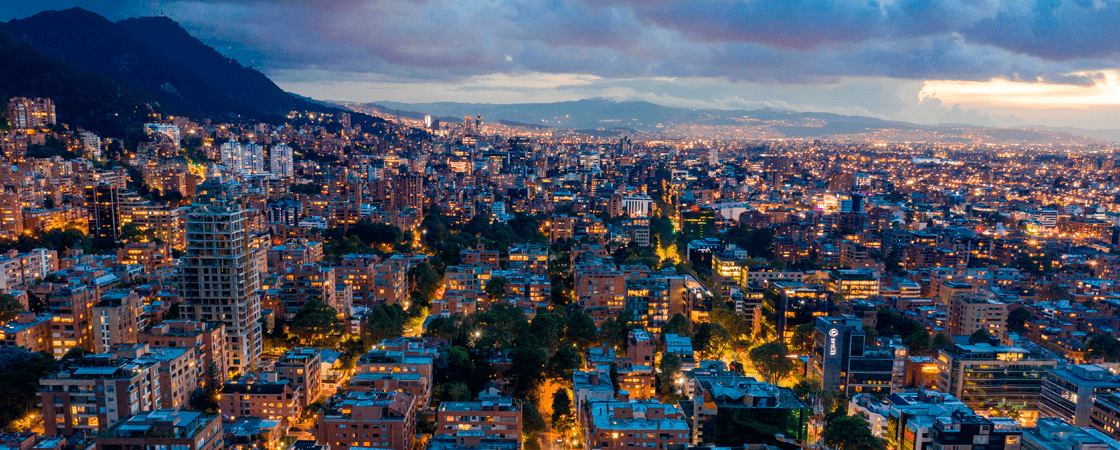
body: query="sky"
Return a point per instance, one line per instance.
(983, 62)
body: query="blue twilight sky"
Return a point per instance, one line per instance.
(989, 62)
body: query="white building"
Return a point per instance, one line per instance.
(254, 158)
(92, 144)
(232, 155)
(281, 156)
(637, 206)
(166, 129)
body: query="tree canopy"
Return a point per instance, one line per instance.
(771, 361)
(315, 321)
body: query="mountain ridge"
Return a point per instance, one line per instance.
(596, 113)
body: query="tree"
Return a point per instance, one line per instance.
(20, 372)
(980, 336)
(678, 325)
(10, 307)
(316, 320)
(384, 321)
(771, 361)
(669, 366)
(580, 330)
(941, 341)
(851, 433)
(563, 416)
(549, 328)
(562, 363)
(496, 288)
(1017, 319)
(802, 341)
(458, 392)
(1054, 292)
(1104, 346)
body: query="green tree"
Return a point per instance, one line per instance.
(563, 416)
(580, 330)
(979, 337)
(566, 360)
(1054, 292)
(1017, 319)
(851, 433)
(941, 341)
(315, 321)
(679, 325)
(10, 307)
(496, 288)
(458, 392)
(549, 328)
(802, 341)
(669, 366)
(1104, 346)
(384, 321)
(771, 361)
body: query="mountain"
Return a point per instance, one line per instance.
(1104, 135)
(597, 116)
(646, 116)
(163, 62)
(88, 100)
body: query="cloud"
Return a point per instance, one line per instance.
(725, 53)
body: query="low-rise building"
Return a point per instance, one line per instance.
(261, 395)
(163, 429)
(495, 416)
(368, 419)
(647, 424)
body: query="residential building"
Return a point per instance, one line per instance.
(164, 428)
(218, 282)
(495, 416)
(368, 420)
(616, 424)
(263, 395)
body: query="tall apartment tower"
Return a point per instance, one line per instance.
(232, 155)
(103, 202)
(218, 279)
(408, 192)
(31, 113)
(281, 157)
(254, 158)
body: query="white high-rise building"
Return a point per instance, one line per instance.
(218, 278)
(92, 144)
(281, 156)
(232, 155)
(254, 158)
(166, 129)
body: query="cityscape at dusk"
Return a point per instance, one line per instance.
(559, 225)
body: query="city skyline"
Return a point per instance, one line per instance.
(933, 62)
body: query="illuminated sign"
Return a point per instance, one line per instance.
(832, 341)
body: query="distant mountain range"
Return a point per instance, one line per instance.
(604, 114)
(150, 59)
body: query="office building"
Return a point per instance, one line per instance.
(994, 378)
(1068, 392)
(723, 402)
(1056, 434)
(965, 430)
(844, 360)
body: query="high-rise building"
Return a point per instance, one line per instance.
(844, 360)
(969, 313)
(232, 155)
(254, 158)
(408, 192)
(281, 159)
(218, 280)
(92, 144)
(103, 203)
(30, 113)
